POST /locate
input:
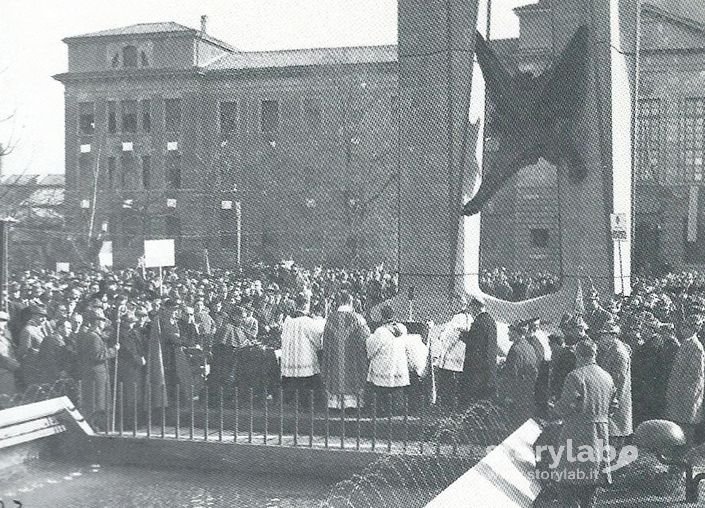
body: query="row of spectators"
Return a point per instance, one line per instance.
(517, 286)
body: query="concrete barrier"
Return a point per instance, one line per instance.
(502, 479)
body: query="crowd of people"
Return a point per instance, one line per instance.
(614, 363)
(517, 286)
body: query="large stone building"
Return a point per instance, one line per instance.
(170, 133)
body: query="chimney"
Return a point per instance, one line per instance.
(204, 22)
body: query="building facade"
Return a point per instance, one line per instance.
(171, 133)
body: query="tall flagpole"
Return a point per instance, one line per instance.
(488, 28)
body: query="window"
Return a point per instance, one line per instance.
(112, 117)
(649, 139)
(692, 149)
(146, 171)
(312, 112)
(127, 170)
(539, 238)
(143, 59)
(173, 226)
(85, 170)
(115, 61)
(270, 116)
(111, 172)
(172, 115)
(146, 107)
(129, 116)
(129, 56)
(228, 120)
(173, 170)
(86, 118)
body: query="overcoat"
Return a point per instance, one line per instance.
(584, 406)
(518, 378)
(93, 356)
(480, 366)
(614, 356)
(684, 395)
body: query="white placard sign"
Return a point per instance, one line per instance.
(158, 253)
(105, 256)
(63, 267)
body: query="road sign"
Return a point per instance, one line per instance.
(618, 225)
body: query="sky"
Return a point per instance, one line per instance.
(31, 33)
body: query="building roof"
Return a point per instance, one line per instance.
(150, 29)
(138, 29)
(305, 57)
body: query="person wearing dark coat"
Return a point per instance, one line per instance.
(132, 361)
(93, 355)
(651, 367)
(562, 363)
(518, 376)
(177, 370)
(479, 379)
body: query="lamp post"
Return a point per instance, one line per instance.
(5, 225)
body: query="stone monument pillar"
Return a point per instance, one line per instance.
(439, 249)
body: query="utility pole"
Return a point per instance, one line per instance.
(5, 225)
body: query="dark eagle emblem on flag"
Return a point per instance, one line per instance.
(534, 115)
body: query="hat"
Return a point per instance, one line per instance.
(4, 316)
(93, 315)
(36, 310)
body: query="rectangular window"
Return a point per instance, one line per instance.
(173, 170)
(129, 116)
(146, 107)
(111, 172)
(172, 115)
(146, 171)
(86, 118)
(112, 117)
(228, 120)
(312, 112)
(692, 139)
(649, 139)
(85, 171)
(270, 116)
(539, 238)
(127, 170)
(173, 226)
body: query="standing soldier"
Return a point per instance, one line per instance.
(131, 364)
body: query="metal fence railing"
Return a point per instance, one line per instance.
(403, 422)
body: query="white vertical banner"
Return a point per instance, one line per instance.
(693, 214)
